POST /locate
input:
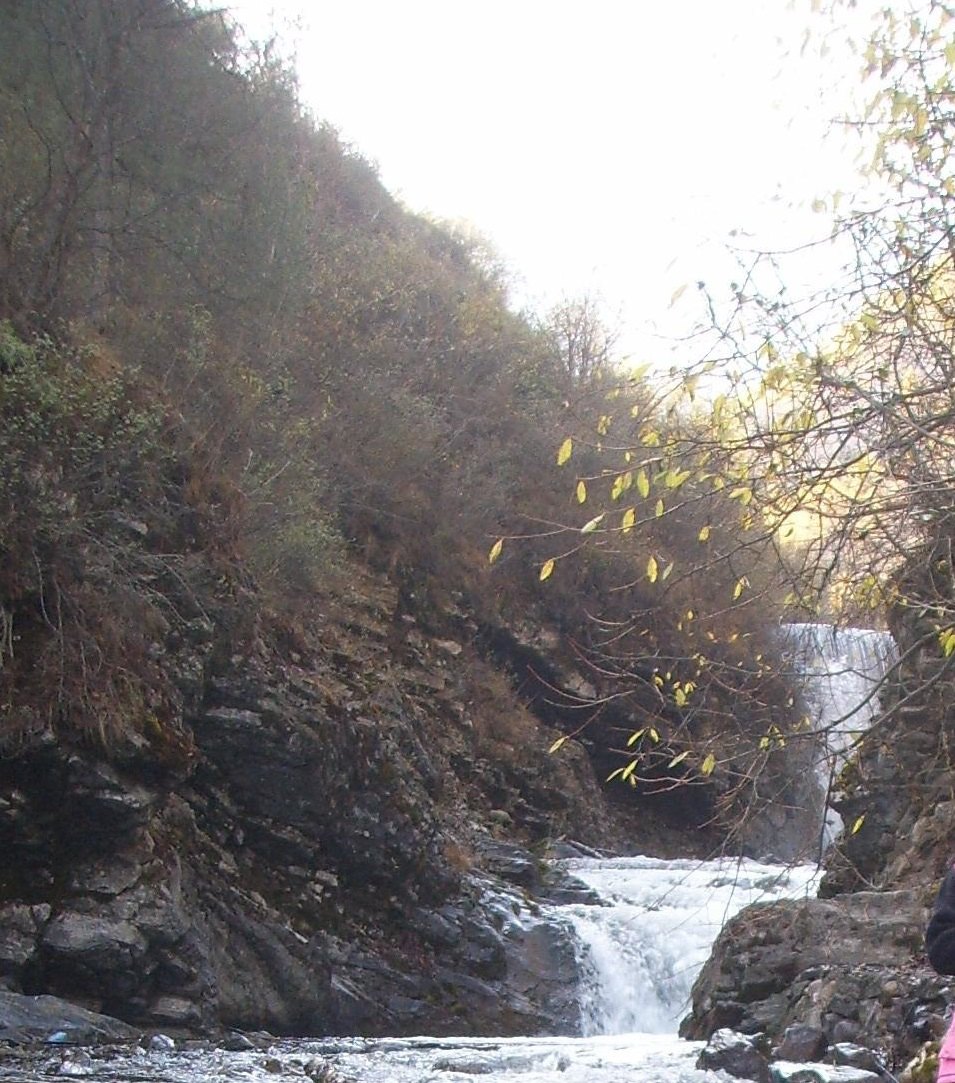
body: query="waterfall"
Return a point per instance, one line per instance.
(840, 670)
(640, 951)
(640, 955)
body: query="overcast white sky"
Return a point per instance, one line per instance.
(603, 147)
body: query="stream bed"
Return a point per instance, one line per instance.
(638, 954)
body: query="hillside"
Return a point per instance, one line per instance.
(268, 713)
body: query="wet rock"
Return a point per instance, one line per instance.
(736, 1054)
(76, 1065)
(321, 1071)
(561, 889)
(237, 1043)
(511, 863)
(786, 1072)
(161, 1042)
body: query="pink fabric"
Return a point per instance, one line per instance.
(946, 1057)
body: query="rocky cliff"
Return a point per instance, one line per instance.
(317, 843)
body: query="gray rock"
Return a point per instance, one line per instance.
(855, 1056)
(788, 1072)
(237, 1043)
(801, 1042)
(40, 1018)
(174, 1011)
(736, 1054)
(76, 1064)
(320, 1071)
(97, 945)
(820, 962)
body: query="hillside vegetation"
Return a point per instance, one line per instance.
(232, 366)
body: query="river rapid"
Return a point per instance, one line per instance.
(638, 954)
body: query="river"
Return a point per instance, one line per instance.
(639, 953)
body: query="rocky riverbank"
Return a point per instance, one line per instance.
(851, 964)
(318, 843)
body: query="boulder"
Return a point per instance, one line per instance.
(28, 1019)
(801, 1042)
(848, 965)
(736, 1054)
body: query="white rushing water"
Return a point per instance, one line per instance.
(640, 952)
(841, 670)
(641, 955)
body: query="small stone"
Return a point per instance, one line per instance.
(162, 1042)
(272, 1065)
(448, 646)
(237, 1043)
(320, 1071)
(76, 1065)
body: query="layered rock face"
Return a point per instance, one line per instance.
(312, 853)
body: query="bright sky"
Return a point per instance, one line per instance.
(602, 146)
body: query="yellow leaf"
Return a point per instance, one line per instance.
(675, 478)
(652, 569)
(707, 766)
(678, 759)
(743, 494)
(677, 294)
(704, 534)
(495, 551)
(621, 483)
(659, 509)
(591, 526)
(547, 570)
(654, 736)
(651, 438)
(603, 424)
(634, 737)
(557, 744)
(643, 484)
(565, 452)
(679, 697)
(858, 824)
(667, 572)
(581, 492)
(739, 588)
(629, 518)
(629, 769)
